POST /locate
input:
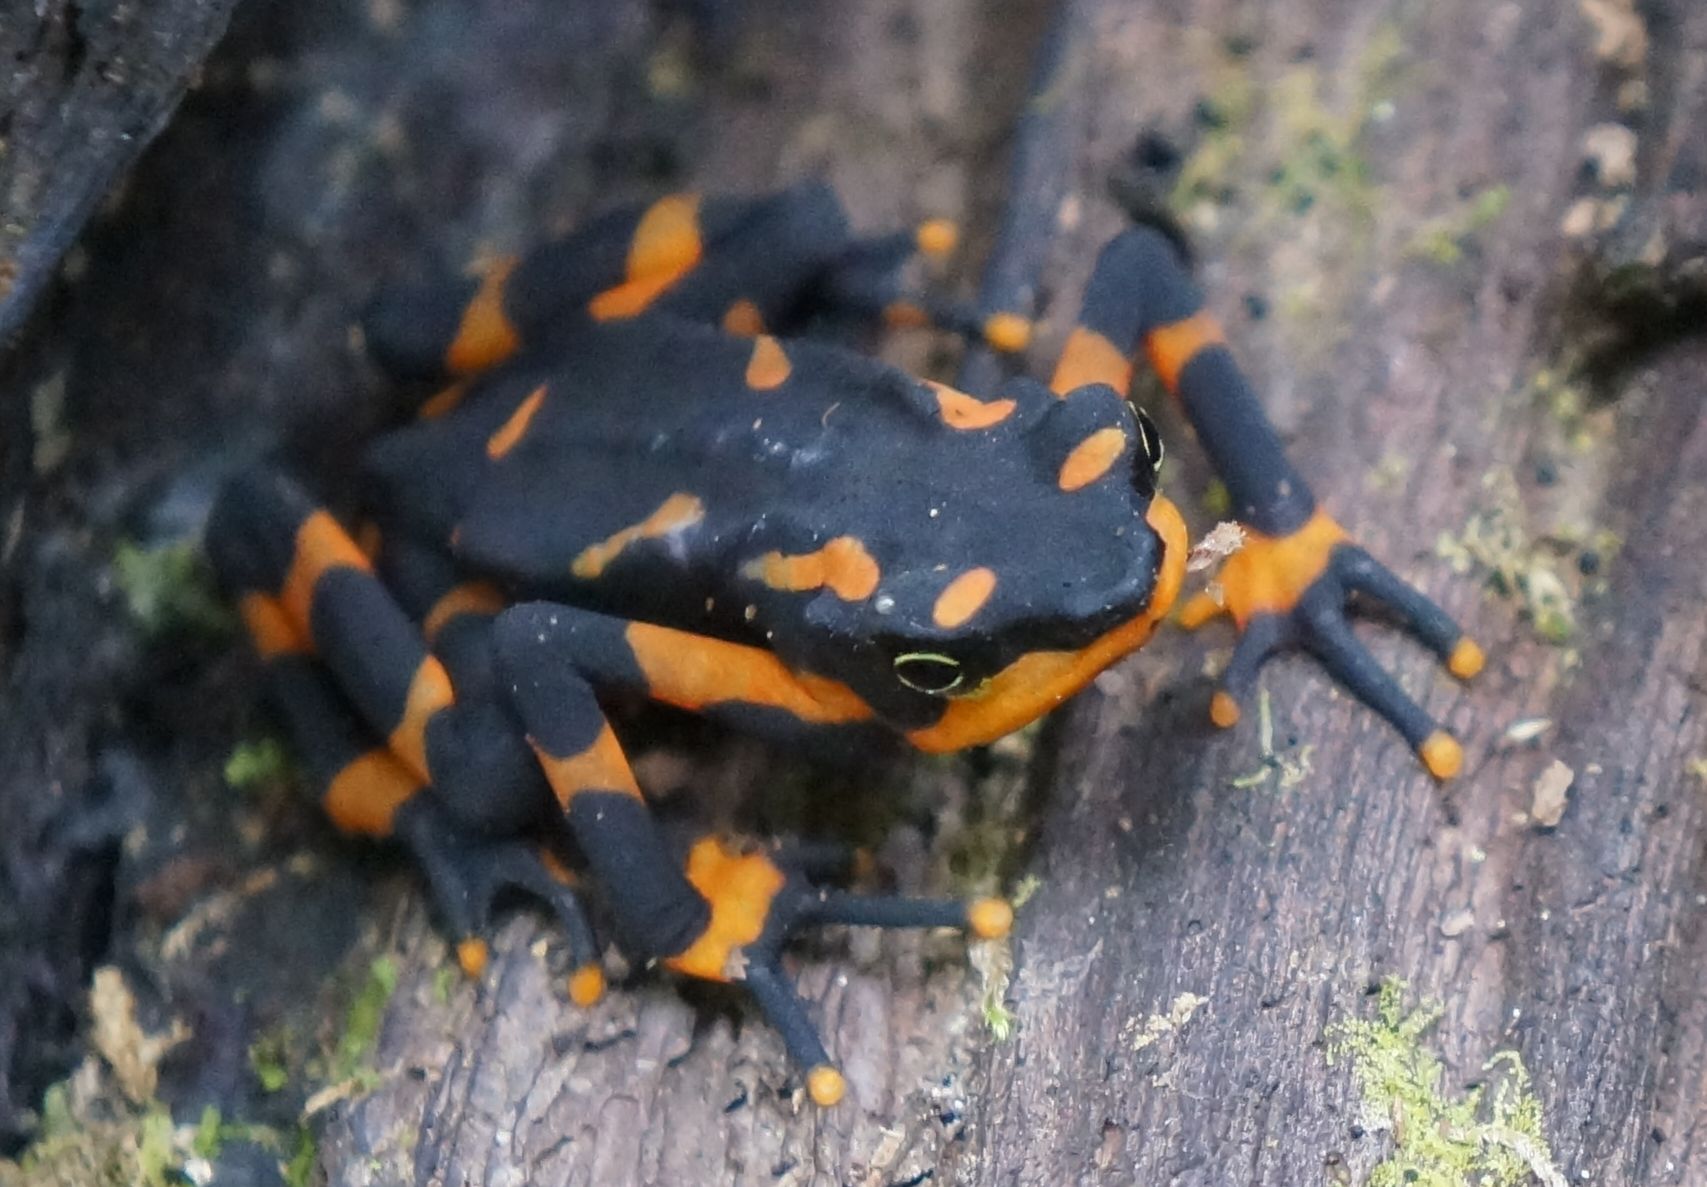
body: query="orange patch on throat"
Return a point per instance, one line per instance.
(769, 366)
(363, 797)
(515, 428)
(842, 566)
(963, 597)
(1091, 458)
(740, 889)
(1089, 357)
(1172, 346)
(321, 544)
(674, 514)
(743, 319)
(485, 335)
(1036, 683)
(694, 672)
(961, 411)
(602, 766)
(666, 247)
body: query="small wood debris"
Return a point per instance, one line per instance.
(1547, 798)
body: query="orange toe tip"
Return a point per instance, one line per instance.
(825, 1085)
(472, 955)
(586, 985)
(1466, 659)
(937, 236)
(1441, 754)
(1223, 709)
(1007, 332)
(990, 918)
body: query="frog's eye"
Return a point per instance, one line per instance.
(1149, 441)
(925, 671)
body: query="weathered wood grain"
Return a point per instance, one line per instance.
(1410, 348)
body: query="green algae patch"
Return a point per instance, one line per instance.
(1488, 1136)
(170, 590)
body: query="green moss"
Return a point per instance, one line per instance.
(1442, 240)
(1497, 540)
(361, 1024)
(259, 763)
(1480, 1138)
(170, 589)
(299, 1171)
(269, 1059)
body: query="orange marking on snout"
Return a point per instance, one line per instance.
(1089, 357)
(1091, 458)
(842, 565)
(964, 412)
(963, 597)
(511, 432)
(486, 335)
(1036, 683)
(769, 366)
(666, 247)
(678, 512)
(1172, 346)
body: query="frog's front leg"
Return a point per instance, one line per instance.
(1291, 583)
(724, 914)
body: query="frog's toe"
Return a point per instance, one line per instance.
(467, 876)
(1262, 637)
(1376, 584)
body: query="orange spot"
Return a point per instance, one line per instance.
(769, 367)
(1223, 709)
(321, 544)
(674, 514)
(1007, 332)
(602, 766)
(842, 566)
(429, 691)
(485, 335)
(1466, 659)
(1091, 458)
(739, 888)
(744, 319)
(826, 1086)
(666, 247)
(961, 411)
(990, 918)
(586, 985)
(513, 429)
(693, 672)
(937, 237)
(472, 955)
(1442, 755)
(963, 597)
(443, 403)
(905, 315)
(1270, 573)
(1089, 357)
(1036, 683)
(1172, 346)
(270, 627)
(364, 796)
(471, 597)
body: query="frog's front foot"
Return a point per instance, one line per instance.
(759, 900)
(1294, 591)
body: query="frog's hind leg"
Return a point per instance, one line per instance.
(449, 778)
(1291, 583)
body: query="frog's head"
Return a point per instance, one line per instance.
(1003, 568)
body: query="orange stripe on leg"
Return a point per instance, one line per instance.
(364, 796)
(270, 627)
(429, 691)
(1172, 346)
(321, 544)
(602, 766)
(1089, 357)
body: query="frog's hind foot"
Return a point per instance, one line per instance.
(759, 902)
(469, 874)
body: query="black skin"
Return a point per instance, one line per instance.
(783, 534)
